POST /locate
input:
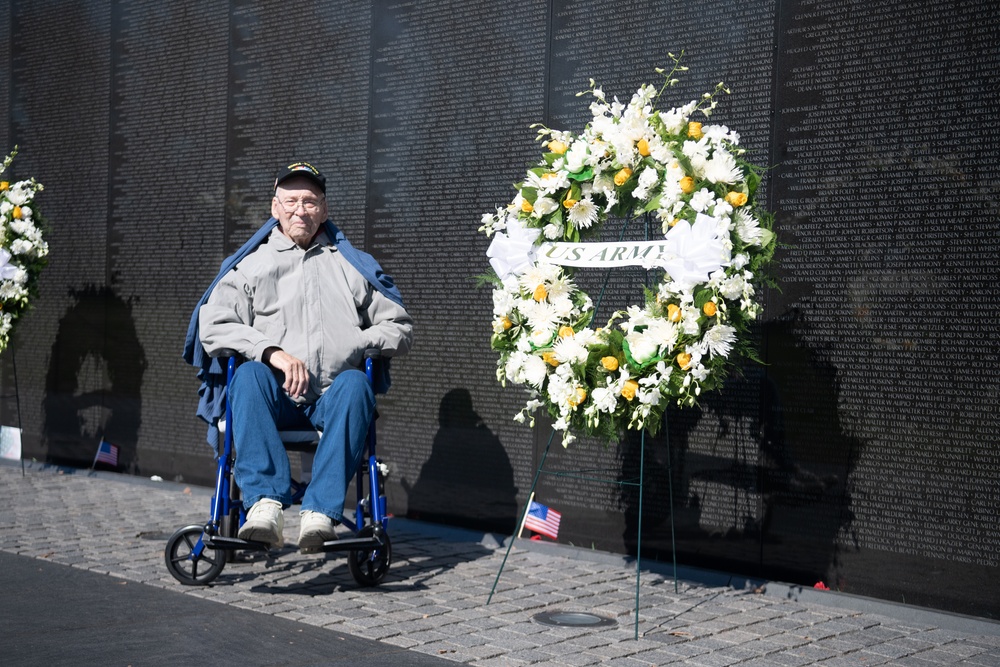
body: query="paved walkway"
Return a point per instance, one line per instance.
(433, 600)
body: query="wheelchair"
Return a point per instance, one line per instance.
(196, 554)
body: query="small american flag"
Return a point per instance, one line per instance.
(106, 453)
(542, 519)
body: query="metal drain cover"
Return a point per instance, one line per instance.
(579, 619)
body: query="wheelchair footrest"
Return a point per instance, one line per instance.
(236, 544)
(353, 544)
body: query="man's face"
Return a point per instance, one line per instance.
(300, 207)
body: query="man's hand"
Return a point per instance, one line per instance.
(296, 375)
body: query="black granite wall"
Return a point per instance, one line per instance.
(863, 454)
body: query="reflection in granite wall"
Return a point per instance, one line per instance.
(863, 453)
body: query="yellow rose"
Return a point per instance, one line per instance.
(557, 147)
(694, 130)
(673, 223)
(581, 396)
(643, 147)
(683, 360)
(4, 185)
(609, 363)
(621, 178)
(566, 331)
(736, 199)
(687, 185)
(709, 309)
(550, 358)
(540, 293)
(17, 213)
(506, 323)
(569, 203)
(673, 312)
(628, 391)
(526, 206)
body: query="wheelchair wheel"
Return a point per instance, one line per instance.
(369, 566)
(184, 565)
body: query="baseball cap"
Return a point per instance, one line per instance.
(301, 169)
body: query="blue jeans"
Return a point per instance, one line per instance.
(261, 408)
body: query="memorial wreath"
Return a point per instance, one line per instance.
(630, 160)
(23, 251)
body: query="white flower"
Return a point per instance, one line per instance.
(534, 371)
(544, 206)
(503, 301)
(612, 200)
(20, 247)
(586, 336)
(604, 399)
(18, 194)
(604, 184)
(552, 231)
(538, 274)
(722, 168)
(642, 347)
(699, 373)
(584, 213)
(748, 228)
(701, 200)
(689, 320)
(647, 179)
(562, 305)
(732, 287)
(719, 340)
(697, 153)
(719, 133)
(576, 156)
(22, 227)
(569, 350)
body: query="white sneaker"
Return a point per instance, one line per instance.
(316, 529)
(265, 522)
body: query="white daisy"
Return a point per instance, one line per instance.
(584, 213)
(719, 340)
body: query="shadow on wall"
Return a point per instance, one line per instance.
(760, 471)
(94, 382)
(468, 480)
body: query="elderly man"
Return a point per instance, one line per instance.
(302, 307)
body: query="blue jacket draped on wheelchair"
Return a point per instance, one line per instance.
(196, 554)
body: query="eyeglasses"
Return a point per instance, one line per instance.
(308, 204)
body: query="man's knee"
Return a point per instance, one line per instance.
(251, 377)
(351, 386)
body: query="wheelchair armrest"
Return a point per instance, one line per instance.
(373, 353)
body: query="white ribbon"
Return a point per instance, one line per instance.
(513, 253)
(689, 253)
(7, 270)
(603, 254)
(694, 252)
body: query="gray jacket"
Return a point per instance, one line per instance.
(310, 303)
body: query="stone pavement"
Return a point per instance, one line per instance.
(434, 598)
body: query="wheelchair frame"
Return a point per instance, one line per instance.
(196, 554)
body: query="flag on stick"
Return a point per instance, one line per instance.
(542, 519)
(106, 453)
(10, 443)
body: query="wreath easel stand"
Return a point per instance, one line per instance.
(630, 482)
